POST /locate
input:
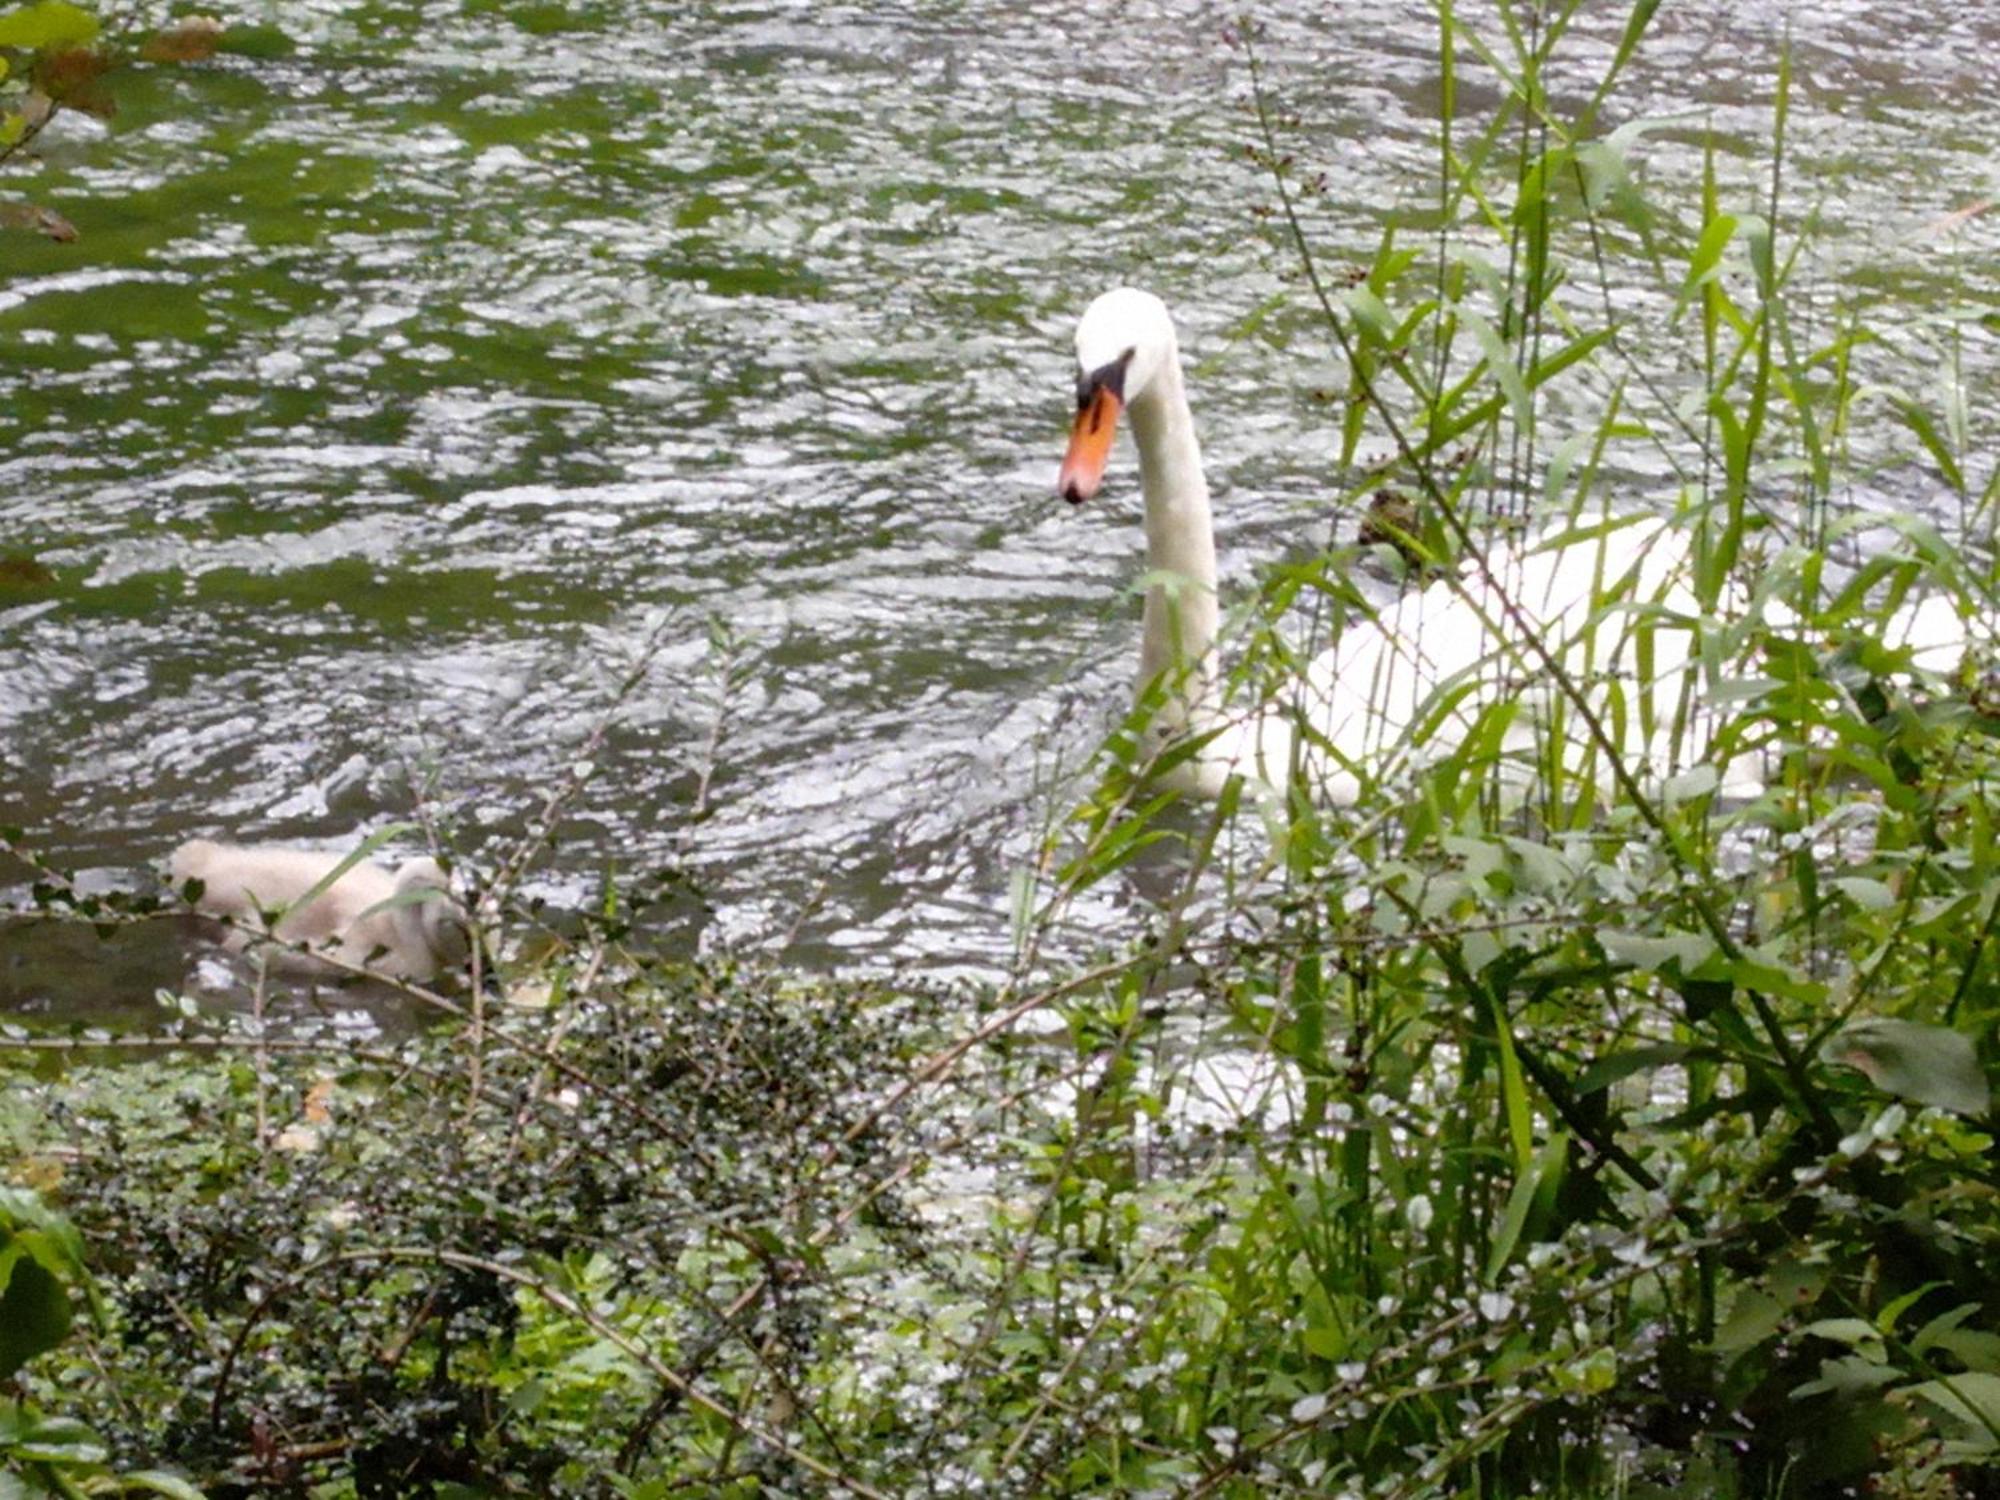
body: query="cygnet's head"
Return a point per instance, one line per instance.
(437, 920)
(1124, 344)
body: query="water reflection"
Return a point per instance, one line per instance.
(399, 390)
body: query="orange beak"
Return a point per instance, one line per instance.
(1089, 447)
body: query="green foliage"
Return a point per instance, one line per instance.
(402, 1278)
(54, 55)
(1927, 1064)
(41, 1267)
(47, 25)
(1561, 1187)
(40, 1259)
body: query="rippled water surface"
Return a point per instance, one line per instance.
(405, 384)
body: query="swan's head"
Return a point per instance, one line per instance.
(433, 921)
(1124, 344)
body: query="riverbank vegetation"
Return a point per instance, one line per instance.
(1605, 1138)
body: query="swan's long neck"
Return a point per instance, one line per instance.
(1181, 612)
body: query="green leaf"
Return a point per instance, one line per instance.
(1541, 183)
(60, 1440)
(264, 42)
(1707, 256)
(34, 1309)
(1970, 1347)
(1756, 232)
(45, 1234)
(1869, 895)
(1753, 1318)
(1689, 949)
(1766, 979)
(1892, 1314)
(1576, 350)
(1324, 1343)
(1613, 1066)
(1514, 1091)
(159, 1482)
(1973, 1397)
(1925, 1064)
(1604, 170)
(48, 24)
(1528, 1188)
(1371, 314)
(1942, 1324)
(1500, 364)
(1849, 1378)
(1919, 422)
(1849, 1331)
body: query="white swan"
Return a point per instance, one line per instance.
(368, 918)
(1610, 599)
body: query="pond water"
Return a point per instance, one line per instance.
(407, 382)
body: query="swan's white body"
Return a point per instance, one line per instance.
(402, 924)
(1611, 600)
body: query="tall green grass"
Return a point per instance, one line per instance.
(1635, 1139)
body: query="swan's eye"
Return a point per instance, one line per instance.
(1109, 377)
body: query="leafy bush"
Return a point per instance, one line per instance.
(41, 1266)
(424, 1289)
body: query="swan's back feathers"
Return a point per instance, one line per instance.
(368, 918)
(1617, 611)
(1609, 605)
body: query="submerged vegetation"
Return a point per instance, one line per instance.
(1448, 1144)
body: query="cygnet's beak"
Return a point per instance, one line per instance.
(1097, 408)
